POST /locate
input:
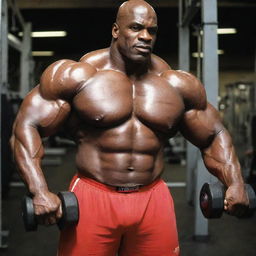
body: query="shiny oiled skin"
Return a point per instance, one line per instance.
(129, 122)
(120, 124)
(120, 105)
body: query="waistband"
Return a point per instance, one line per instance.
(118, 189)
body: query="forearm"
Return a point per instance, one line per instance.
(221, 160)
(28, 152)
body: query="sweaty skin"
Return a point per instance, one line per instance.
(120, 105)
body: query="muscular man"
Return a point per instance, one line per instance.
(121, 104)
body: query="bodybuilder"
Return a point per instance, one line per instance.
(120, 105)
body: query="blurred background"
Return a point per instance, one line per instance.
(74, 28)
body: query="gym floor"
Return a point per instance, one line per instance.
(229, 236)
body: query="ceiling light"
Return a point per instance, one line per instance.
(241, 86)
(46, 33)
(42, 53)
(201, 55)
(226, 31)
(221, 31)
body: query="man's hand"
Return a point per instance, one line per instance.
(47, 208)
(236, 200)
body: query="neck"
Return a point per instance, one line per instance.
(126, 65)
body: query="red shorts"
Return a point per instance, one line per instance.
(138, 223)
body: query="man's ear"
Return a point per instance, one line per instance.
(115, 30)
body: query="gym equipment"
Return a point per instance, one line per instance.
(70, 211)
(212, 200)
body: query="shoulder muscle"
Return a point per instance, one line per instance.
(62, 79)
(97, 59)
(159, 64)
(189, 86)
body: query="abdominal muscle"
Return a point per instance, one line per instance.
(127, 155)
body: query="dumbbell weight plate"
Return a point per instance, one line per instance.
(212, 200)
(28, 215)
(70, 209)
(252, 201)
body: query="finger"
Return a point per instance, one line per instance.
(51, 220)
(39, 210)
(225, 204)
(59, 212)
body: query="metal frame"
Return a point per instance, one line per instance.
(184, 64)
(26, 62)
(196, 171)
(183, 41)
(3, 85)
(4, 46)
(24, 47)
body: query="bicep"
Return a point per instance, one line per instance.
(200, 127)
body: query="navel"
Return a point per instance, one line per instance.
(130, 168)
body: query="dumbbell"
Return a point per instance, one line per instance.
(70, 211)
(212, 200)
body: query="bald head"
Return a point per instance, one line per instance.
(128, 8)
(134, 32)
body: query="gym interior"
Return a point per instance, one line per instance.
(214, 40)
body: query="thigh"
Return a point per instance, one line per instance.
(96, 233)
(156, 234)
(71, 244)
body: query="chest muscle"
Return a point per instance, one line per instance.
(110, 98)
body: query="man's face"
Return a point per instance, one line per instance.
(135, 33)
